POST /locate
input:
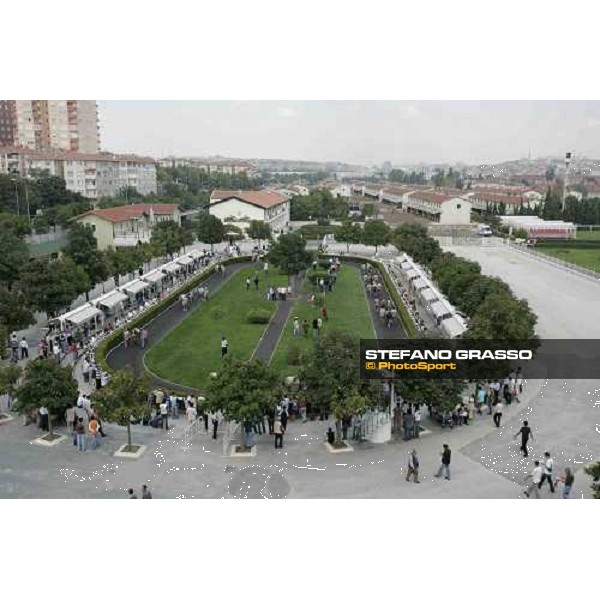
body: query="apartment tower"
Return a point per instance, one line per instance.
(50, 124)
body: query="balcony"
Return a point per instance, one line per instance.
(131, 239)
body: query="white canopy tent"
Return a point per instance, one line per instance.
(428, 295)
(440, 309)
(171, 267)
(412, 274)
(80, 315)
(111, 299)
(154, 276)
(185, 260)
(420, 284)
(135, 287)
(452, 328)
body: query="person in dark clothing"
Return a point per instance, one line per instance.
(271, 421)
(284, 420)
(330, 436)
(205, 417)
(215, 423)
(98, 378)
(526, 433)
(445, 466)
(279, 431)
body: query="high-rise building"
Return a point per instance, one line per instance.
(50, 124)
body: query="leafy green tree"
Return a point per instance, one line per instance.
(443, 394)
(51, 285)
(414, 240)
(375, 233)
(347, 406)
(123, 400)
(242, 391)
(349, 233)
(210, 229)
(289, 253)
(13, 256)
(83, 250)
(502, 317)
(397, 175)
(17, 225)
(168, 238)
(594, 472)
(14, 313)
(330, 374)
(259, 230)
(46, 383)
(9, 377)
(479, 289)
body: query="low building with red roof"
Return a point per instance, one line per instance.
(129, 224)
(269, 206)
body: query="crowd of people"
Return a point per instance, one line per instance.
(384, 307)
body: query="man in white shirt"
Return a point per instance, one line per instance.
(534, 479)
(498, 413)
(164, 413)
(224, 347)
(24, 348)
(417, 418)
(547, 474)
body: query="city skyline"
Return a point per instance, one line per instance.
(356, 132)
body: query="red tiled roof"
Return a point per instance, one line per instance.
(261, 198)
(433, 197)
(118, 214)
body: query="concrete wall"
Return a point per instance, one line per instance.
(456, 212)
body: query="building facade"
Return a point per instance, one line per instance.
(128, 225)
(268, 206)
(93, 176)
(70, 125)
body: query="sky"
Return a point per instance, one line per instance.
(357, 132)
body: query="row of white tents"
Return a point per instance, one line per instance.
(415, 278)
(537, 228)
(126, 295)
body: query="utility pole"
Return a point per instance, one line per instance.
(566, 179)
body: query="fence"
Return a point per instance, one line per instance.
(557, 262)
(469, 241)
(194, 428)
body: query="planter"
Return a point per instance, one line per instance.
(345, 447)
(133, 451)
(4, 418)
(47, 440)
(238, 451)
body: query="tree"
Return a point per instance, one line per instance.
(51, 285)
(13, 256)
(594, 472)
(242, 391)
(83, 249)
(369, 209)
(349, 233)
(289, 253)
(350, 405)
(375, 233)
(443, 394)
(9, 377)
(17, 225)
(259, 230)
(47, 384)
(123, 400)
(397, 175)
(168, 238)
(210, 229)
(501, 316)
(14, 314)
(331, 376)
(413, 240)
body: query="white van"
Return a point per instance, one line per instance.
(484, 230)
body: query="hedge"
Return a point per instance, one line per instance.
(407, 322)
(114, 339)
(258, 316)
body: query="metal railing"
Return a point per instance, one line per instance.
(372, 420)
(194, 428)
(557, 262)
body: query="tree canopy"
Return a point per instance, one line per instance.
(259, 230)
(83, 250)
(349, 233)
(289, 253)
(168, 238)
(210, 229)
(375, 233)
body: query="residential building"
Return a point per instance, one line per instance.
(441, 208)
(70, 125)
(127, 225)
(93, 176)
(269, 206)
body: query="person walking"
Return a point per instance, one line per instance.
(284, 417)
(215, 424)
(525, 433)
(24, 346)
(164, 413)
(357, 428)
(445, 466)
(131, 495)
(417, 418)
(315, 327)
(224, 347)
(567, 480)
(247, 284)
(256, 281)
(190, 413)
(146, 494)
(413, 466)
(547, 474)
(80, 433)
(279, 431)
(93, 430)
(70, 419)
(498, 407)
(143, 337)
(324, 313)
(296, 327)
(533, 480)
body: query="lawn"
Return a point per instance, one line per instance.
(189, 353)
(347, 309)
(584, 257)
(582, 234)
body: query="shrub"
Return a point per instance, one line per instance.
(319, 301)
(293, 356)
(218, 313)
(258, 316)
(314, 277)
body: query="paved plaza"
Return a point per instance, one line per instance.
(486, 462)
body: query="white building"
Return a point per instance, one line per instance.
(268, 206)
(91, 175)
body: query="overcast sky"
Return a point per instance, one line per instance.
(360, 132)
